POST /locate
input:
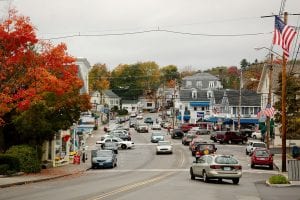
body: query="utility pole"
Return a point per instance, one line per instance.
(269, 99)
(240, 102)
(283, 106)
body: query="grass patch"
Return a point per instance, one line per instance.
(278, 179)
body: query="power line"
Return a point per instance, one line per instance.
(156, 30)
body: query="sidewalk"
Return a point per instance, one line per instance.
(45, 174)
(51, 173)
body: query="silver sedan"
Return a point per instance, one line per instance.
(164, 147)
(216, 167)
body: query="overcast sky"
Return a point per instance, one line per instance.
(59, 18)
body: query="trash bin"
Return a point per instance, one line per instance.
(76, 159)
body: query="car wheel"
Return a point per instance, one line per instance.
(192, 174)
(252, 165)
(235, 181)
(229, 142)
(271, 167)
(247, 153)
(254, 137)
(123, 146)
(205, 178)
(244, 142)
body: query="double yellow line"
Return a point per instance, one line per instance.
(132, 186)
(142, 183)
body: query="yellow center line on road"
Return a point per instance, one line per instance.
(131, 186)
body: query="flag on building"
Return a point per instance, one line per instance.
(259, 114)
(269, 111)
(283, 35)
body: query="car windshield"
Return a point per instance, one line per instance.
(102, 153)
(262, 153)
(225, 160)
(203, 147)
(259, 145)
(161, 143)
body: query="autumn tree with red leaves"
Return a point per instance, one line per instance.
(39, 86)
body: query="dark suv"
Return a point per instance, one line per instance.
(177, 133)
(204, 149)
(231, 137)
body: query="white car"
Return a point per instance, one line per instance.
(156, 127)
(164, 147)
(252, 145)
(256, 135)
(121, 143)
(139, 117)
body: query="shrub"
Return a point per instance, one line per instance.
(28, 158)
(278, 179)
(9, 164)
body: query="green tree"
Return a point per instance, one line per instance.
(292, 105)
(169, 74)
(244, 64)
(99, 79)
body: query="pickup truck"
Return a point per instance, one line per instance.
(230, 137)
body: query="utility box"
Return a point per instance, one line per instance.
(294, 170)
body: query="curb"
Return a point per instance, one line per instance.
(40, 180)
(277, 185)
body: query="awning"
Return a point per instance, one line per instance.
(197, 104)
(247, 121)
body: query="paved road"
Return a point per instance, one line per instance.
(141, 174)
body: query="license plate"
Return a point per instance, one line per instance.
(262, 158)
(227, 168)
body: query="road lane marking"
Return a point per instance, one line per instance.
(132, 186)
(251, 171)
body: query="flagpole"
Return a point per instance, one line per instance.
(283, 107)
(269, 100)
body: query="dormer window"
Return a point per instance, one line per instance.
(211, 84)
(188, 84)
(199, 84)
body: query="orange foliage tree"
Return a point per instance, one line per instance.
(36, 72)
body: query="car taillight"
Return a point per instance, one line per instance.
(215, 167)
(239, 167)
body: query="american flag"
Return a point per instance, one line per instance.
(260, 114)
(283, 35)
(269, 111)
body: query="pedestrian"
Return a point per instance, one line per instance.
(169, 130)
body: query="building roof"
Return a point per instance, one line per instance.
(249, 98)
(202, 76)
(110, 94)
(130, 101)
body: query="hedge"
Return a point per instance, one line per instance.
(28, 158)
(9, 164)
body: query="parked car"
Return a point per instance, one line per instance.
(148, 120)
(132, 123)
(121, 143)
(231, 137)
(216, 167)
(187, 138)
(152, 110)
(213, 135)
(164, 147)
(157, 136)
(177, 133)
(262, 157)
(247, 132)
(204, 149)
(110, 146)
(185, 127)
(256, 135)
(103, 159)
(200, 131)
(252, 145)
